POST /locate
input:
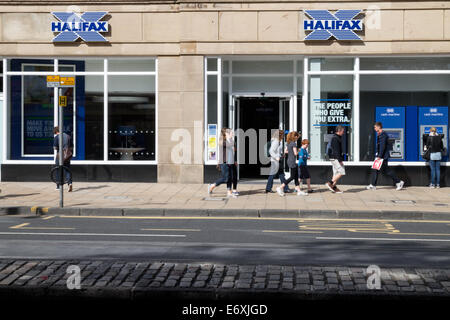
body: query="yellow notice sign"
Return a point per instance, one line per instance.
(52, 81)
(67, 81)
(63, 101)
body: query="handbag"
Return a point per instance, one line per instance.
(426, 154)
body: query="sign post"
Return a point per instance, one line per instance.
(60, 82)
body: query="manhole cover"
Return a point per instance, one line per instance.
(214, 199)
(403, 201)
(116, 197)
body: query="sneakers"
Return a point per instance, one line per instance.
(371, 187)
(400, 185)
(310, 191)
(337, 190)
(302, 193)
(270, 191)
(231, 195)
(236, 193)
(280, 192)
(210, 189)
(329, 185)
(431, 186)
(438, 186)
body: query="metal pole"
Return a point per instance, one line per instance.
(61, 171)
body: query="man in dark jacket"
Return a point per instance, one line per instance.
(67, 145)
(382, 152)
(336, 156)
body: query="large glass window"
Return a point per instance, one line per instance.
(131, 118)
(33, 112)
(405, 91)
(434, 63)
(330, 105)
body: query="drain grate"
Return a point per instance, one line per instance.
(403, 201)
(214, 199)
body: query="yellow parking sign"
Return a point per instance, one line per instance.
(63, 101)
(67, 81)
(52, 81)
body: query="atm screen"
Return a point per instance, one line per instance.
(394, 135)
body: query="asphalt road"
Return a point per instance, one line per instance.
(229, 240)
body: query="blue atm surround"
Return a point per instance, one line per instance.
(16, 109)
(394, 124)
(413, 122)
(433, 117)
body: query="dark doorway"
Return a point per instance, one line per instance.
(257, 113)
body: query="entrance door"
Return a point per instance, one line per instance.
(256, 117)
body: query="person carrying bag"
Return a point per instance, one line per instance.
(434, 151)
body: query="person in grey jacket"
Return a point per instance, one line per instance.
(275, 151)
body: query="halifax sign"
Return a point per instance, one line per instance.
(341, 25)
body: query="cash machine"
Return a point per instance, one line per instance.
(429, 117)
(394, 124)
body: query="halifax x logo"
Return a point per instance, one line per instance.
(73, 26)
(339, 25)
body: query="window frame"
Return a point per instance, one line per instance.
(105, 73)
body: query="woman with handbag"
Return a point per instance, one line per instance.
(433, 149)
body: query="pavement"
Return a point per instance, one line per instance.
(146, 279)
(162, 199)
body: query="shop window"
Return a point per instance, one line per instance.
(409, 92)
(131, 65)
(85, 65)
(131, 118)
(211, 64)
(435, 63)
(331, 64)
(258, 67)
(258, 84)
(1, 77)
(331, 104)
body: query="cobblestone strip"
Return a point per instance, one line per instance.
(179, 276)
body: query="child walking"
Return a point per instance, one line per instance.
(303, 171)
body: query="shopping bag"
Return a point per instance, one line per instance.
(377, 164)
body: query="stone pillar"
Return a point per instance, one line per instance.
(180, 119)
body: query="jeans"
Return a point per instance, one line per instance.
(66, 173)
(229, 176)
(386, 170)
(269, 184)
(435, 166)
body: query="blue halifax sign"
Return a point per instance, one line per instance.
(341, 25)
(72, 26)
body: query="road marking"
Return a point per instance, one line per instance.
(19, 226)
(47, 218)
(425, 234)
(372, 227)
(292, 231)
(24, 226)
(187, 230)
(253, 218)
(383, 239)
(94, 234)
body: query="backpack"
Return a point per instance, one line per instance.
(267, 148)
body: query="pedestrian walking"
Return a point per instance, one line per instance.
(292, 151)
(303, 158)
(435, 148)
(382, 154)
(336, 156)
(227, 164)
(276, 160)
(67, 147)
